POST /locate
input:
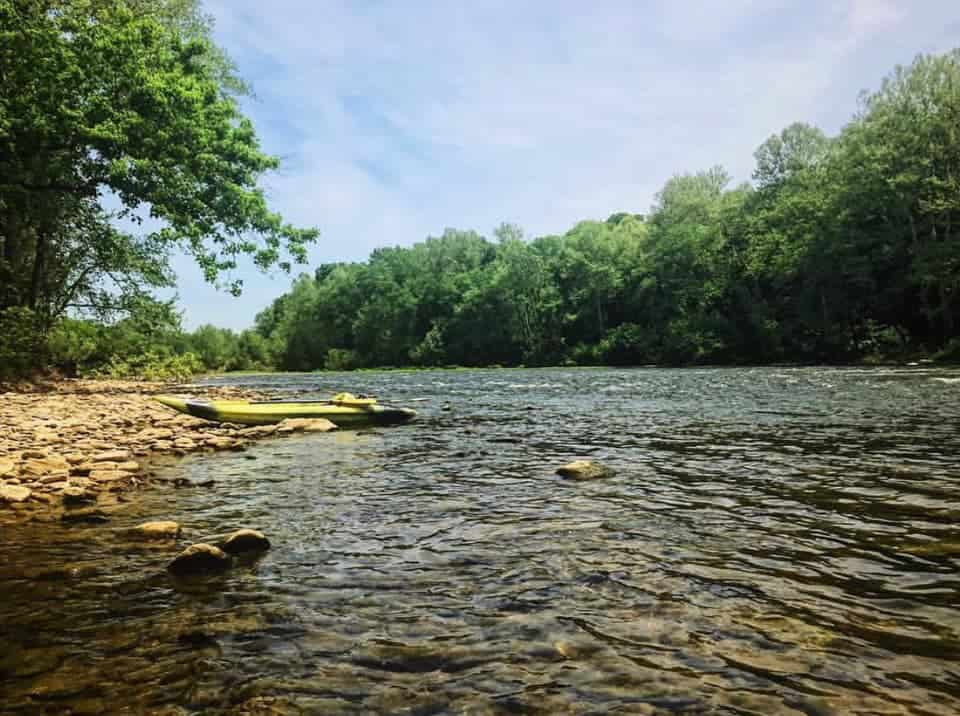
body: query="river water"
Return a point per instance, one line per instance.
(773, 541)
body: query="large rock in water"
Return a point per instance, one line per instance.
(245, 541)
(200, 559)
(581, 470)
(14, 493)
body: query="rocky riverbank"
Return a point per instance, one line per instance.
(81, 442)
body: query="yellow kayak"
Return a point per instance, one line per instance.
(343, 409)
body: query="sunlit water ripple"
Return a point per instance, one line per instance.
(774, 541)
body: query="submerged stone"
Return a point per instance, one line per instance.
(85, 517)
(200, 559)
(581, 470)
(159, 530)
(245, 540)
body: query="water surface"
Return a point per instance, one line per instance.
(774, 541)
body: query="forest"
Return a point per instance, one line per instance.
(840, 249)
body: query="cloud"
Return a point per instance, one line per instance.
(395, 120)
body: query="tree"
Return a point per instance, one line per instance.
(125, 103)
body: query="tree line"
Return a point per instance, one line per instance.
(841, 248)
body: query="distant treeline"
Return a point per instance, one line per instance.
(842, 248)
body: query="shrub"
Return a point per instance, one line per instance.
(21, 343)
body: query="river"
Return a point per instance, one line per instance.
(773, 541)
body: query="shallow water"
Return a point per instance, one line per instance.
(774, 541)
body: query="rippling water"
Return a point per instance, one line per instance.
(774, 541)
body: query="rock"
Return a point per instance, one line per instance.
(584, 470)
(165, 529)
(111, 456)
(75, 458)
(199, 559)
(128, 466)
(14, 493)
(107, 475)
(306, 425)
(73, 495)
(85, 517)
(220, 443)
(7, 468)
(52, 478)
(245, 541)
(35, 467)
(33, 454)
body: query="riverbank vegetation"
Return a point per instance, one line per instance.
(841, 248)
(121, 140)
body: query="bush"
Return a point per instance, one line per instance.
(152, 366)
(73, 345)
(21, 343)
(340, 359)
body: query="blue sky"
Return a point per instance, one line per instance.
(394, 120)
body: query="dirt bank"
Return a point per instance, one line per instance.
(81, 443)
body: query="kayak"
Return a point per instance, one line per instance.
(343, 410)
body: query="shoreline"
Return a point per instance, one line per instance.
(70, 446)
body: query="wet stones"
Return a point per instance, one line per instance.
(111, 456)
(159, 530)
(14, 493)
(306, 425)
(76, 495)
(583, 470)
(200, 559)
(245, 540)
(84, 517)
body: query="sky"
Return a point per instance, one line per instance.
(395, 120)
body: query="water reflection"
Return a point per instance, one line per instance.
(775, 541)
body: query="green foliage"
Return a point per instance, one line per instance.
(151, 366)
(21, 345)
(128, 100)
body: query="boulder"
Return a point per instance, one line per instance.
(165, 529)
(200, 559)
(581, 470)
(14, 493)
(245, 541)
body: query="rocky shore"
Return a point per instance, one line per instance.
(82, 442)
